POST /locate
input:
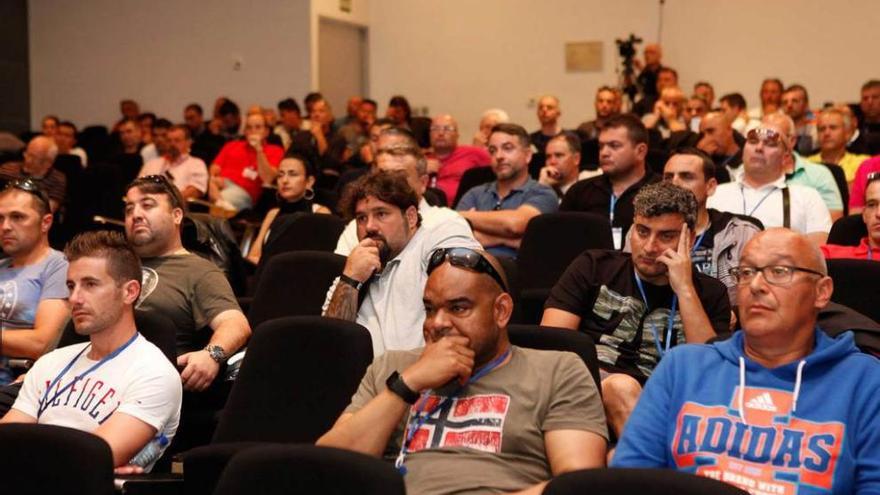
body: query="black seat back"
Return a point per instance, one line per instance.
(856, 285)
(848, 231)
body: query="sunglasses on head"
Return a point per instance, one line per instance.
(164, 182)
(465, 258)
(31, 186)
(768, 136)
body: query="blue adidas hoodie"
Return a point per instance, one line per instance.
(808, 427)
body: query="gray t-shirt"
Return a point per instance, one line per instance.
(490, 437)
(189, 290)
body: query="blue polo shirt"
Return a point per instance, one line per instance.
(485, 198)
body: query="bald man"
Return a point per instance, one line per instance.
(762, 191)
(37, 165)
(454, 160)
(780, 406)
(481, 415)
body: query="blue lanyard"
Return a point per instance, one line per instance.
(670, 320)
(611, 205)
(79, 377)
(420, 416)
(743, 192)
(696, 245)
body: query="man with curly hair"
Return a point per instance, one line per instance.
(638, 305)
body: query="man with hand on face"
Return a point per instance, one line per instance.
(190, 290)
(244, 166)
(132, 393)
(563, 161)
(637, 306)
(469, 412)
(780, 405)
(380, 286)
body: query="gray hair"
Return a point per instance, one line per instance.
(500, 115)
(664, 197)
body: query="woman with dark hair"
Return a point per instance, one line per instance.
(296, 178)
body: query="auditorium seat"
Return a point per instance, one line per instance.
(848, 231)
(856, 285)
(840, 179)
(550, 243)
(47, 459)
(471, 178)
(557, 339)
(294, 284)
(637, 482)
(298, 375)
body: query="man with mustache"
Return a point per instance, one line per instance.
(388, 264)
(481, 415)
(780, 406)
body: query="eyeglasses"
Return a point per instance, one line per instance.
(465, 258)
(770, 137)
(773, 274)
(30, 185)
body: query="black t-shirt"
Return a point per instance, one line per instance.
(593, 195)
(600, 287)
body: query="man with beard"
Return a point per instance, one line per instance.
(188, 289)
(188, 173)
(388, 264)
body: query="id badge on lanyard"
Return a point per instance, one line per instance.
(616, 232)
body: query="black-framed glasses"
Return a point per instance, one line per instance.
(465, 258)
(773, 274)
(30, 185)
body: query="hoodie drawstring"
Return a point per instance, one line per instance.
(742, 390)
(797, 384)
(742, 387)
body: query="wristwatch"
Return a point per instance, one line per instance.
(217, 353)
(350, 281)
(396, 385)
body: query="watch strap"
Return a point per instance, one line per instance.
(397, 386)
(350, 281)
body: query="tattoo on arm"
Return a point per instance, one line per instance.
(343, 303)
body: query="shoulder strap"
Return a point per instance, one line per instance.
(786, 207)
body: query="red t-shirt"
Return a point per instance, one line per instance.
(238, 163)
(860, 252)
(455, 165)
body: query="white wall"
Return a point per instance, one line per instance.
(463, 56)
(86, 55)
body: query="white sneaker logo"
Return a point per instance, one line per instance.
(762, 402)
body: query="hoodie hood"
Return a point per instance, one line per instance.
(825, 352)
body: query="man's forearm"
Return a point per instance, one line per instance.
(267, 173)
(368, 430)
(343, 303)
(697, 327)
(502, 223)
(231, 331)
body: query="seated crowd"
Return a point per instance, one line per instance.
(703, 314)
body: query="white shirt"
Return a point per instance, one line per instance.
(139, 382)
(808, 212)
(149, 152)
(431, 217)
(187, 171)
(393, 310)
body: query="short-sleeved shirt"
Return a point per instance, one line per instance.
(238, 163)
(190, 291)
(392, 309)
(808, 212)
(139, 382)
(186, 171)
(849, 163)
(22, 289)
(820, 178)
(489, 438)
(599, 286)
(595, 196)
(484, 197)
(861, 252)
(860, 183)
(452, 167)
(54, 182)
